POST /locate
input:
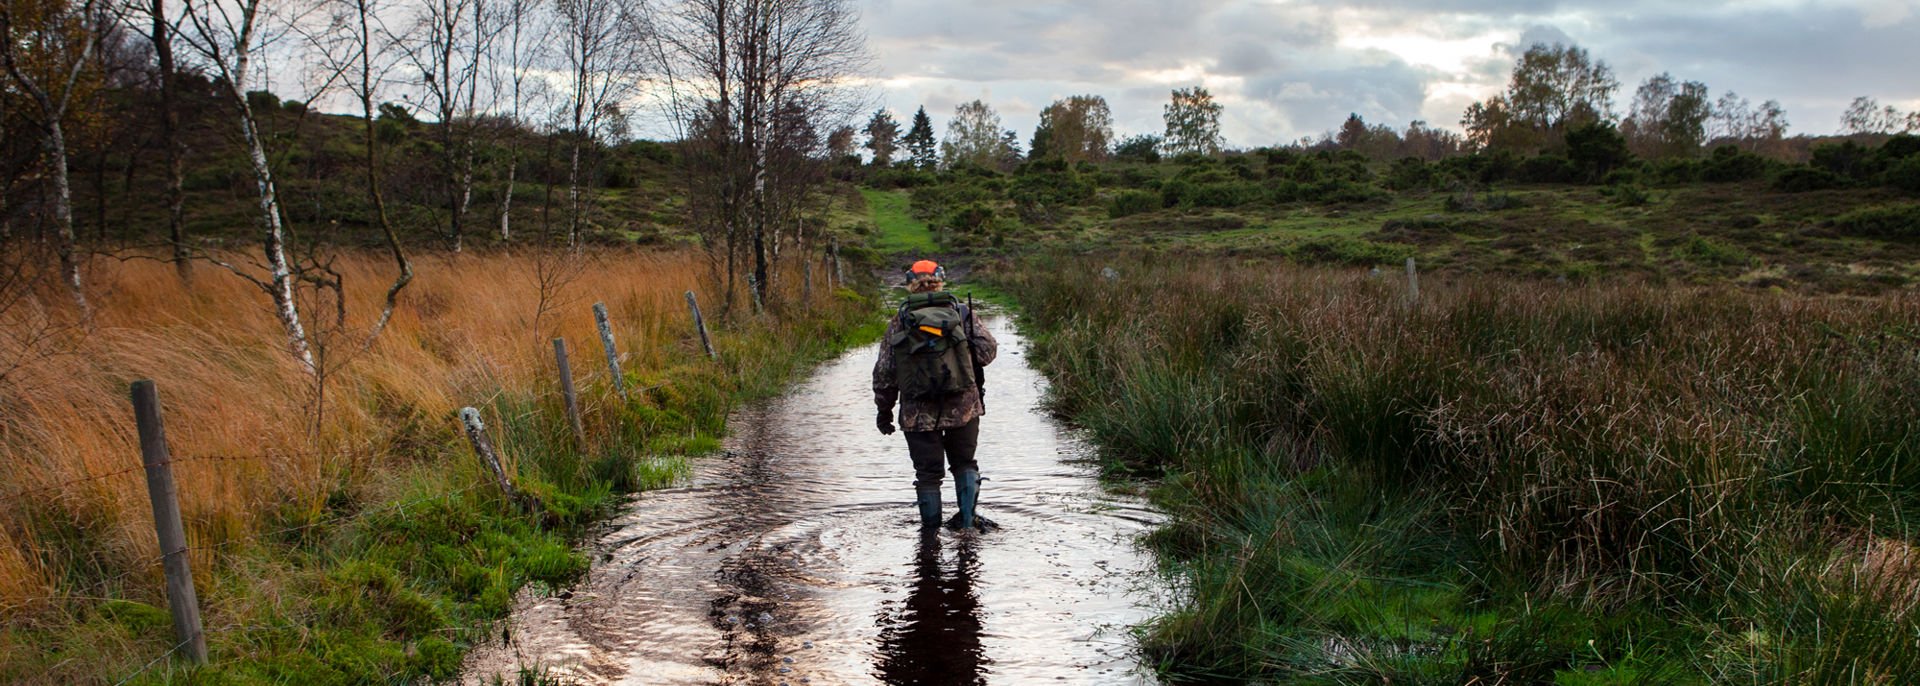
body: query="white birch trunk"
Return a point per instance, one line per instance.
(506, 202)
(63, 213)
(573, 195)
(273, 239)
(465, 198)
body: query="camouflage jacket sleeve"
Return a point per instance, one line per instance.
(885, 392)
(985, 348)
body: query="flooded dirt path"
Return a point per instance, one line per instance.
(796, 558)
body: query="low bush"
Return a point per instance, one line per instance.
(1628, 195)
(1676, 171)
(1900, 147)
(899, 177)
(1349, 251)
(1040, 186)
(1705, 250)
(1131, 202)
(1228, 194)
(1887, 221)
(1546, 169)
(969, 218)
(1729, 164)
(1805, 178)
(1903, 175)
(1411, 174)
(1848, 160)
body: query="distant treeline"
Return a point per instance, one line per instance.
(1557, 95)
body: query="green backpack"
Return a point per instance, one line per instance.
(932, 356)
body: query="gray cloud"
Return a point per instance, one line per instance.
(1288, 70)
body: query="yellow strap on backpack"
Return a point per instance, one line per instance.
(934, 330)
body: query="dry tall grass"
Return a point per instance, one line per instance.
(471, 327)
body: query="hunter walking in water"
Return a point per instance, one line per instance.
(932, 363)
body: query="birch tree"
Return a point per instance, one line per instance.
(356, 47)
(973, 137)
(448, 49)
(524, 25)
(1075, 129)
(1193, 122)
(167, 78)
(601, 41)
(45, 46)
(747, 75)
(228, 35)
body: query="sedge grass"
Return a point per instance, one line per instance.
(1510, 482)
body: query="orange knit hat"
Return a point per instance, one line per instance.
(926, 269)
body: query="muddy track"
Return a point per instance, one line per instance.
(795, 558)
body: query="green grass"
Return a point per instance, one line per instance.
(1602, 484)
(899, 231)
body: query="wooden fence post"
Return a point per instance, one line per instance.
(477, 434)
(1413, 283)
(568, 396)
(181, 599)
(613, 352)
(700, 323)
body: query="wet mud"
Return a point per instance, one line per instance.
(796, 558)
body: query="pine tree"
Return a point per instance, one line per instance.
(920, 142)
(883, 137)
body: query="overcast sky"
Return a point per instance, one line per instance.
(1287, 69)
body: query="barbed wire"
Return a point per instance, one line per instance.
(25, 493)
(176, 648)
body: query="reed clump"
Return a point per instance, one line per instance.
(339, 532)
(1508, 481)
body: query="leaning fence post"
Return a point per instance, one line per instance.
(613, 352)
(700, 324)
(1413, 283)
(477, 434)
(567, 395)
(181, 599)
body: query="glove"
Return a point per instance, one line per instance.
(885, 422)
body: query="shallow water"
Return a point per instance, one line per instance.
(796, 558)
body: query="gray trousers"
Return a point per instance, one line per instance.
(953, 447)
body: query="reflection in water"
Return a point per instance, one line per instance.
(796, 558)
(933, 639)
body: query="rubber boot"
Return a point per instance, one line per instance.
(966, 486)
(929, 499)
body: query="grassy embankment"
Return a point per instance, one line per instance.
(363, 546)
(1846, 223)
(1512, 483)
